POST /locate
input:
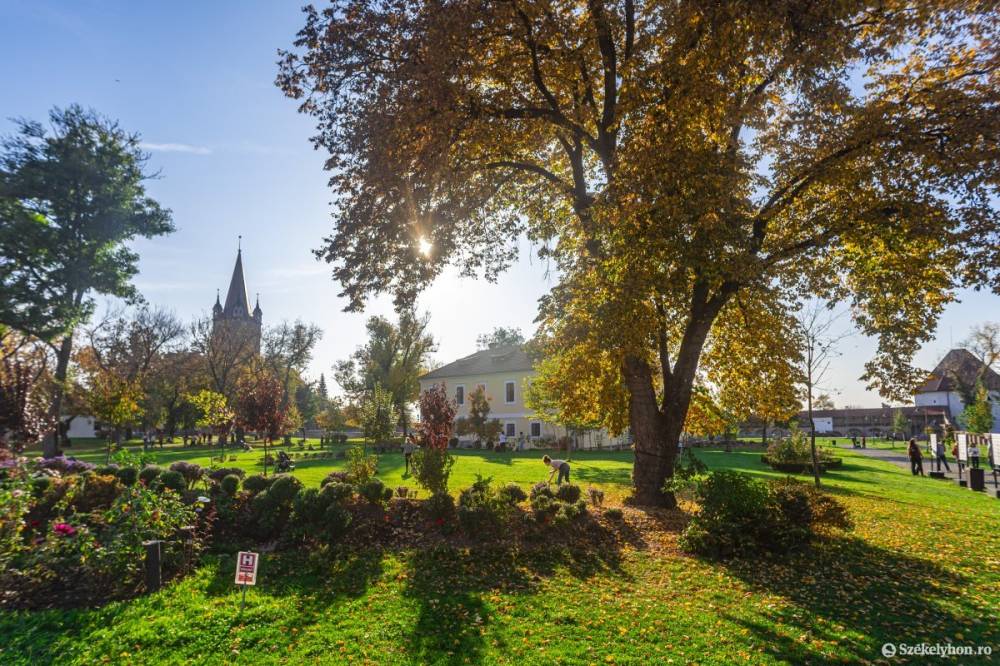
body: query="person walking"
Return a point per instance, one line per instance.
(520, 442)
(557, 465)
(939, 455)
(916, 458)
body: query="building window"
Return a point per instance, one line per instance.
(511, 429)
(460, 395)
(509, 392)
(536, 429)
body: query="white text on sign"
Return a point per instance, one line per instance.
(246, 568)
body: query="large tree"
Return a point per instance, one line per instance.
(287, 351)
(394, 357)
(501, 336)
(679, 161)
(72, 198)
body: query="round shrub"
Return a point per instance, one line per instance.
(542, 489)
(97, 492)
(375, 491)
(513, 494)
(149, 473)
(173, 480)
(440, 507)
(337, 493)
(128, 476)
(568, 493)
(191, 472)
(40, 485)
(230, 484)
(336, 521)
(256, 483)
(335, 477)
(218, 475)
(107, 470)
(283, 488)
(613, 513)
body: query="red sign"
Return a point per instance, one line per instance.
(246, 568)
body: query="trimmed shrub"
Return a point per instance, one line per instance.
(335, 477)
(596, 496)
(107, 470)
(481, 507)
(256, 483)
(614, 513)
(40, 485)
(542, 489)
(440, 507)
(283, 488)
(741, 516)
(230, 484)
(512, 494)
(173, 480)
(191, 472)
(375, 491)
(568, 492)
(218, 475)
(149, 473)
(97, 491)
(128, 476)
(337, 492)
(319, 514)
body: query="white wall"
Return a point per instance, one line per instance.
(81, 427)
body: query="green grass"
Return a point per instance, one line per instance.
(922, 565)
(610, 470)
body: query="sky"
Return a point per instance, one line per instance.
(196, 80)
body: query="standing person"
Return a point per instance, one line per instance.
(520, 442)
(503, 440)
(408, 448)
(557, 465)
(939, 455)
(974, 454)
(864, 442)
(916, 458)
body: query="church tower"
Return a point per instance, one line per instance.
(235, 320)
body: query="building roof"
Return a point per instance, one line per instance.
(237, 294)
(506, 358)
(958, 371)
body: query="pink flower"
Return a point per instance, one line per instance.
(64, 528)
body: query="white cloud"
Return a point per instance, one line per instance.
(176, 148)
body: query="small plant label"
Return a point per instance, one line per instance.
(246, 568)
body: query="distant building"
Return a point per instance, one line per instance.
(234, 320)
(953, 383)
(504, 372)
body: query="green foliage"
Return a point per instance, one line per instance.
(378, 415)
(127, 475)
(596, 496)
(283, 488)
(72, 200)
(512, 493)
(230, 484)
(978, 415)
(337, 492)
(568, 492)
(432, 468)
(614, 513)
(149, 473)
(482, 508)
(375, 491)
(256, 483)
(440, 507)
(742, 517)
(361, 467)
(172, 480)
(320, 514)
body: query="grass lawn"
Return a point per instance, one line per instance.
(610, 470)
(922, 565)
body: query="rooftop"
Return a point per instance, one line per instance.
(960, 370)
(507, 358)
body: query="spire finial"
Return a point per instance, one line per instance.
(239, 243)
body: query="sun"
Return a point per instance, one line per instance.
(425, 246)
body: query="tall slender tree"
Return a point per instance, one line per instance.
(675, 159)
(72, 197)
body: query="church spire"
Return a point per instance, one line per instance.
(237, 303)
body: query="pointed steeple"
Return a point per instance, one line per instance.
(237, 303)
(258, 314)
(217, 308)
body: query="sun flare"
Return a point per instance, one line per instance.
(424, 246)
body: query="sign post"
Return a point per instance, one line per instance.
(246, 572)
(962, 442)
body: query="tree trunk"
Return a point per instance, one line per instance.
(812, 436)
(50, 445)
(655, 448)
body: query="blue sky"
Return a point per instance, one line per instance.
(196, 80)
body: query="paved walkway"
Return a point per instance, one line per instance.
(900, 458)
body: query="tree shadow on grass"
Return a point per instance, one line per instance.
(849, 597)
(450, 586)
